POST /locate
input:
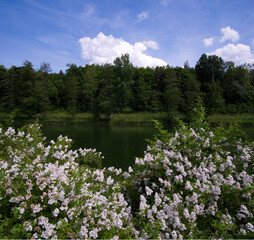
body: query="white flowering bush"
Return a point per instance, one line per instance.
(45, 193)
(194, 183)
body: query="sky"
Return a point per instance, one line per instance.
(153, 32)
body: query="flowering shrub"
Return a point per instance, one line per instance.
(44, 193)
(194, 183)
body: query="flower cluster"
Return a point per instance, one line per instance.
(195, 184)
(45, 192)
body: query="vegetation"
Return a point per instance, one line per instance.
(136, 118)
(183, 187)
(120, 88)
(241, 118)
(63, 117)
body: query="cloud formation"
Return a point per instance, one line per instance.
(239, 53)
(229, 34)
(105, 49)
(208, 42)
(143, 15)
(151, 44)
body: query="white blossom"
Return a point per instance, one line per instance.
(148, 191)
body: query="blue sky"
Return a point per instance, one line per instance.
(153, 32)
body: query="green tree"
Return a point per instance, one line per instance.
(141, 89)
(59, 99)
(213, 98)
(88, 86)
(209, 69)
(210, 73)
(238, 89)
(172, 96)
(72, 88)
(190, 90)
(157, 89)
(26, 90)
(6, 100)
(124, 82)
(10, 86)
(251, 73)
(103, 101)
(45, 87)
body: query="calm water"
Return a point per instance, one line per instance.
(118, 144)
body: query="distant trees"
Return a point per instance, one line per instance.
(88, 86)
(142, 89)
(45, 89)
(26, 92)
(238, 89)
(210, 71)
(104, 95)
(121, 88)
(123, 83)
(6, 88)
(190, 90)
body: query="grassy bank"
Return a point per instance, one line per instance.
(61, 117)
(241, 118)
(87, 118)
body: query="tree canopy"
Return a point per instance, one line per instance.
(122, 88)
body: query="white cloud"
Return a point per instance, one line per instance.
(105, 49)
(239, 53)
(229, 34)
(208, 41)
(151, 44)
(143, 15)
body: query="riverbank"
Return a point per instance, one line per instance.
(245, 119)
(139, 118)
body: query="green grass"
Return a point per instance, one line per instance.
(130, 118)
(63, 117)
(59, 117)
(241, 118)
(138, 117)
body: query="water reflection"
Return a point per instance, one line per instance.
(118, 144)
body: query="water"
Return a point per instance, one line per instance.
(119, 144)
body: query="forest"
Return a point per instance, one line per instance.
(123, 88)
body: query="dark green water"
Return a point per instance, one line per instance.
(119, 144)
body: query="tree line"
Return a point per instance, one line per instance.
(122, 88)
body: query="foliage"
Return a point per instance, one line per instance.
(122, 88)
(124, 82)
